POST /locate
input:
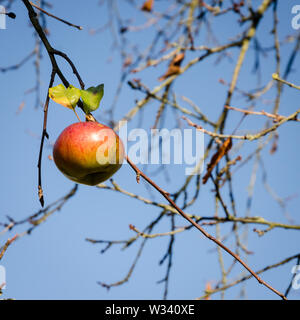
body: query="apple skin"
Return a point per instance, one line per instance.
(88, 152)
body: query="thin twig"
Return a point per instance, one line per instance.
(44, 135)
(6, 245)
(276, 117)
(55, 17)
(276, 77)
(247, 136)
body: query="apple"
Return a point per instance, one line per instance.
(88, 152)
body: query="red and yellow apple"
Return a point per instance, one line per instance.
(88, 152)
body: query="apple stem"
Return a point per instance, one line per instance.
(76, 115)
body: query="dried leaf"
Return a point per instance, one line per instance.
(223, 150)
(148, 5)
(174, 67)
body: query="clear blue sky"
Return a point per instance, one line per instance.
(55, 261)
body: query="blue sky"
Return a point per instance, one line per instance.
(55, 261)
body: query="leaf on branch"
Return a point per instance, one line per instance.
(91, 98)
(66, 97)
(148, 5)
(174, 67)
(223, 150)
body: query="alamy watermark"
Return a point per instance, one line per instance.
(296, 279)
(2, 17)
(296, 19)
(2, 278)
(183, 147)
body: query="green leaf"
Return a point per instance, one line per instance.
(66, 97)
(91, 97)
(73, 94)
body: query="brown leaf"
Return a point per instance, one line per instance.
(174, 66)
(148, 5)
(178, 59)
(225, 147)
